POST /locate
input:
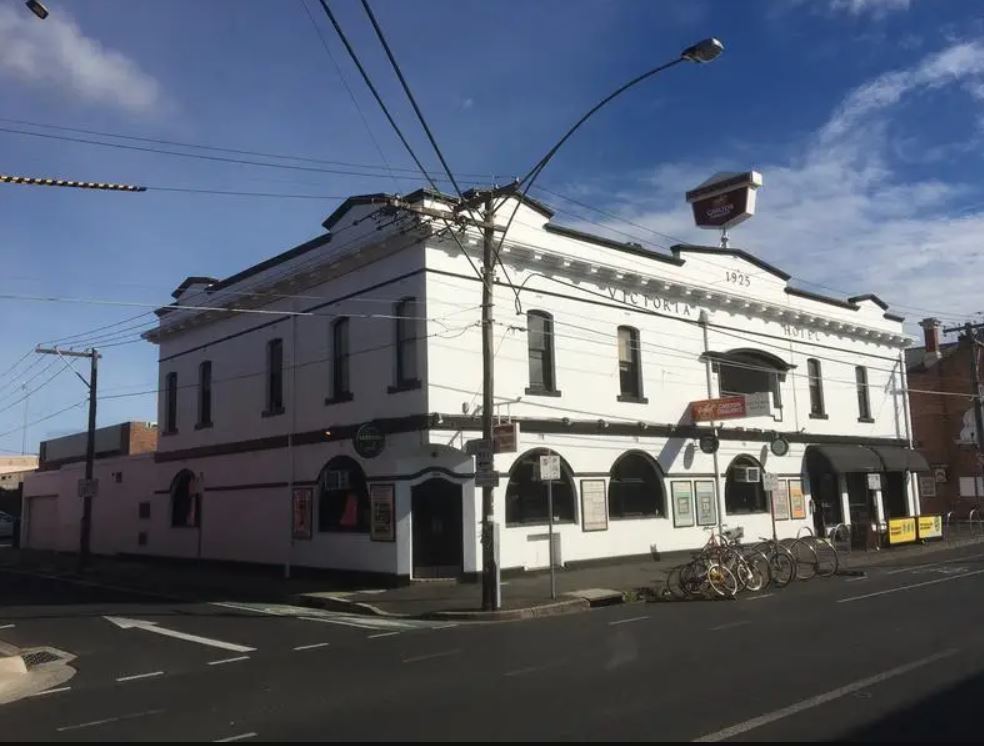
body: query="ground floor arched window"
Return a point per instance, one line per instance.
(743, 491)
(343, 497)
(635, 487)
(186, 500)
(526, 496)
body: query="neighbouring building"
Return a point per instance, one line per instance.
(943, 421)
(316, 408)
(13, 470)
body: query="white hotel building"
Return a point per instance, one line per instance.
(611, 344)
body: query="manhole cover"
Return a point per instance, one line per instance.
(38, 657)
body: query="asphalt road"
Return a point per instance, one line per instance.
(898, 655)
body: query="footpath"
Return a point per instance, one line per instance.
(523, 596)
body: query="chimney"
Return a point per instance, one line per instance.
(931, 336)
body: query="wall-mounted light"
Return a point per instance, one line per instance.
(327, 433)
(642, 425)
(566, 421)
(602, 424)
(437, 419)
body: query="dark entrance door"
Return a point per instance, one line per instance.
(893, 495)
(437, 530)
(827, 511)
(862, 510)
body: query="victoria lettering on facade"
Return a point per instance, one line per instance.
(600, 375)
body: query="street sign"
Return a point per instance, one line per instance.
(486, 479)
(779, 446)
(874, 481)
(505, 437)
(732, 407)
(549, 468)
(770, 482)
(88, 488)
(758, 404)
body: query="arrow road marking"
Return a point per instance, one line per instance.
(125, 623)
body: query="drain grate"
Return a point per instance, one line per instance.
(38, 657)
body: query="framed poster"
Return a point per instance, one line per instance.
(780, 500)
(706, 503)
(594, 505)
(382, 512)
(797, 504)
(927, 485)
(303, 500)
(683, 504)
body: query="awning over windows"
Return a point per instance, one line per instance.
(844, 459)
(897, 458)
(748, 356)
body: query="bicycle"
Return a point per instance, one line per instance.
(782, 562)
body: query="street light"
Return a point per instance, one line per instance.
(37, 9)
(703, 51)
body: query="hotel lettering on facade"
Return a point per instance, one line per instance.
(336, 436)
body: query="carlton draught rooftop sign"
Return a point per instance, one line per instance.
(725, 200)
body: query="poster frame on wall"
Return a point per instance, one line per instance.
(682, 494)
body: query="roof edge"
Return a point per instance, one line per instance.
(741, 253)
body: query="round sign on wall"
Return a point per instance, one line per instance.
(779, 446)
(369, 440)
(709, 443)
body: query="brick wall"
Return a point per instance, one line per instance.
(143, 438)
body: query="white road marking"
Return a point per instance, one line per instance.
(228, 660)
(312, 646)
(51, 691)
(528, 669)
(730, 625)
(124, 623)
(931, 564)
(819, 699)
(141, 676)
(230, 739)
(92, 723)
(345, 619)
(909, 587)
(418, 658)
(7, 626)
(855, 580)
(382, 634)
(760, 596)
(626, 621)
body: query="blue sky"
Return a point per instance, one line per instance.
(866, 118)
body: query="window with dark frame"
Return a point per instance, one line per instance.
(340, 360)
(742, 493)
(746, 373)
(343, 497)
(816, 387)
(539, 331)
(526, 496)
(635, 488)
(186, 500)
(205, 393)
(864, 403)
(629, 363)
(171, 403)
(275, 377)
(406, 342)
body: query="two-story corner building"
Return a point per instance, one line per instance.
(315, 408)
(943, 421)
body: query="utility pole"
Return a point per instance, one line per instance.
(489, 574)
(975, 392)
(88, 488)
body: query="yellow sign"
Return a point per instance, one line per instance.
(901, 530)
(930, 527)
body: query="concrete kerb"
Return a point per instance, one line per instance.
(18, 681)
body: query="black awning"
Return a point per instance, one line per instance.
(843, 459)
(896, 458)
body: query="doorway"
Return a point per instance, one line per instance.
(437, 532)
(827, 510)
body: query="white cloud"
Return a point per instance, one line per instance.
(839, 213)
(467, 103)
(877, 8)
(56, 54)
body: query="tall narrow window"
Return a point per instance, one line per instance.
(816, 388)
(864, 403)
(340, 360)
(275, 377)
(406, 342)
(629, 364)
(171, 403)
(539, 332)
(205, 393)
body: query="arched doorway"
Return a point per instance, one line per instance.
(526, 496)
(743, 491)
(635, 488)
(438, 547)
(186, 500)
(343, 497)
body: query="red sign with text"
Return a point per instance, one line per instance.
(727, 408)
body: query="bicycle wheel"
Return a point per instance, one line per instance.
(806, 559)
(691, 579)
(783, 568)
(722, 581)
(827, 559)
(674, 584)
(759, 564)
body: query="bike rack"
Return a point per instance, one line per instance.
(799, 534)
(835, 535)
(970, 518)
(947, 523)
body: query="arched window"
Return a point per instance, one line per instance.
(750, 371)
(635, 489)
(743, 491)
(526, 496)
(343, 498)
(186, 500)
(540, 346)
